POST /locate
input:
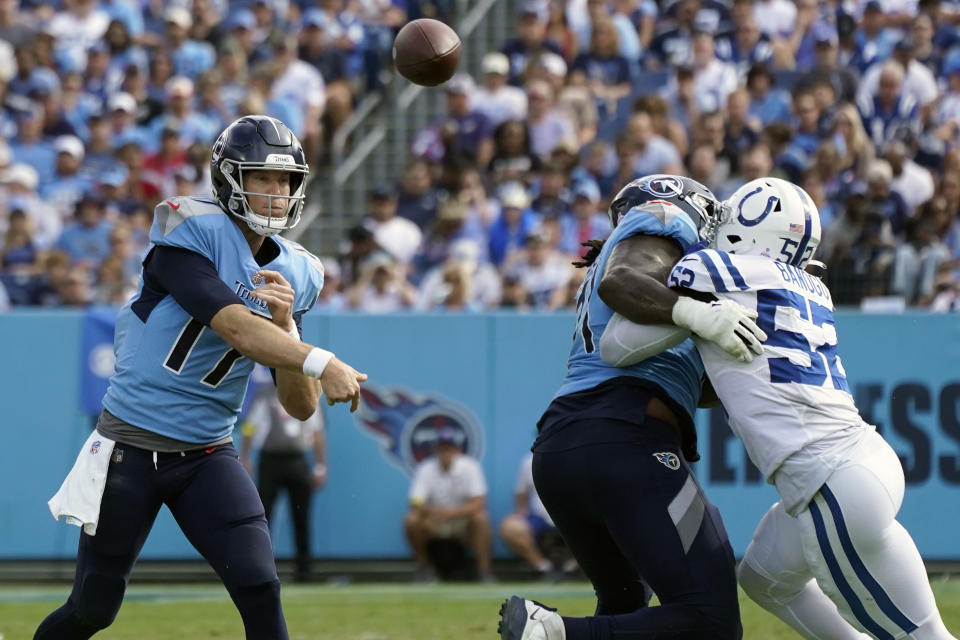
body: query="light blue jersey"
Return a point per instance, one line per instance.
(174, 375)
(678, 370)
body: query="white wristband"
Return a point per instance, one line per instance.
(316, 361)
(294, 333)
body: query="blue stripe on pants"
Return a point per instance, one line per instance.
(836, 572)
(883, 600)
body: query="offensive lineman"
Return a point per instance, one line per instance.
(219, 291)
(610, 460)
(829, 559)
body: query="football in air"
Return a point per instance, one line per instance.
(427, 52)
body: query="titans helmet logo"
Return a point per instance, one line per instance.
(663, 186)
(406, 422)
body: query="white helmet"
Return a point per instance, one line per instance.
(770, 217)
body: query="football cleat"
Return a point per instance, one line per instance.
(529, 620)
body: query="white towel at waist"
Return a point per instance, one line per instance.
(82, 490)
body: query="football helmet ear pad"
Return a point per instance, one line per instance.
(770, 217)
(258, 143)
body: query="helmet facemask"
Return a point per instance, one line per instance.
(239, 205)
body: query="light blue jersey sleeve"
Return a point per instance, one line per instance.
(188, 223)
(669, 222)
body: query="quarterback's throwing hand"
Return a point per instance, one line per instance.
(341, 383)
(723, 322)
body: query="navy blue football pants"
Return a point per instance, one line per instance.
(216, 505)
(631, 512)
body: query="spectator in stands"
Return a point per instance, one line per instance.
(559, 31)
(602, 68)
(713, 79)
(190, 57)
(882, 200)
(888, 113)
(585, 221)
(746, 47)
(466, 132)
(548, 126)
(513, 158)
(29, 147)
(653, 153)
(160, 167)
(397, 236)
(448, 501)
(19, 254)
(673, 47)
(79, 26)
(67, 185)
(874, 42)
(702, 166)
(417, 200)
(540, 268)
(917, 261)
(925, 50)
(496, 99)
(910, 181)
(550, 68)
(741, 130)
(788, 161)
(826, 65)
(917, 83)
(181, 115)
(798, 46)
(331, 298)
(381, 286)
(854, 147)
(777, 18)
(509, 232)
(451, 224)
(531, 42)
(553, 197)
(74, 288)
(766, 103)
(301, 84)
(529, 526)
(87, 239)
(111, 287)
(20, 181)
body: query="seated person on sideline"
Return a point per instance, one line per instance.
(528, 530)
(448, 501)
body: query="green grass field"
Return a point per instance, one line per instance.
(361, 612)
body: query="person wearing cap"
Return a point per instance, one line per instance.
(20, 181)
(182, 115)
(317, 50)
(495, 98)
(79, 26)
(542, 269)
(673, 47)
(585, 221)
(531, 42)
(397, 236)
(517, 221)
(465, 132)
(826, 64)
(29, 146)
(417, 196)
(464, 257)
(382, 286)
(87, 238)
(873, 41)
(68, 184)
(190, 57)
(448, 495)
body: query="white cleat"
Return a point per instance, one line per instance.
(529, 620)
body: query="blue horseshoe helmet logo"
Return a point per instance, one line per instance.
(771, 203)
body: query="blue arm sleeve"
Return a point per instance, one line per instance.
(191, 279)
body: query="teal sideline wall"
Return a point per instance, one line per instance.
(503, 368)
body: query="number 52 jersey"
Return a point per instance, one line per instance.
(175, 376)
(794, 394)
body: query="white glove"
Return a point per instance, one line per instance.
(723, 322)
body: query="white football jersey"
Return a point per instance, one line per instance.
(796, 393)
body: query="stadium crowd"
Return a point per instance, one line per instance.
(107, 107)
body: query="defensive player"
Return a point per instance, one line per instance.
(610, 461)
(219, 290)
(829, 559)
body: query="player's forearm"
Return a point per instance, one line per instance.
(298, 394)
(640, 297)
(259, 339)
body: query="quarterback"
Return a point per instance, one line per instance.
(829, 558)
(219, 291)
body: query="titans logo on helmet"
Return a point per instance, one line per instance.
(406, 423)
(663, 186)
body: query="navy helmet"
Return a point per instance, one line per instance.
(696, 200)
(258, 143)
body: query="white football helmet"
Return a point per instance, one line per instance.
(770, 217)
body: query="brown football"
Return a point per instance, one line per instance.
(427, 52)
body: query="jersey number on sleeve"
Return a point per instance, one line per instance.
(794, 322)
(184, 345)
(583, 311)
